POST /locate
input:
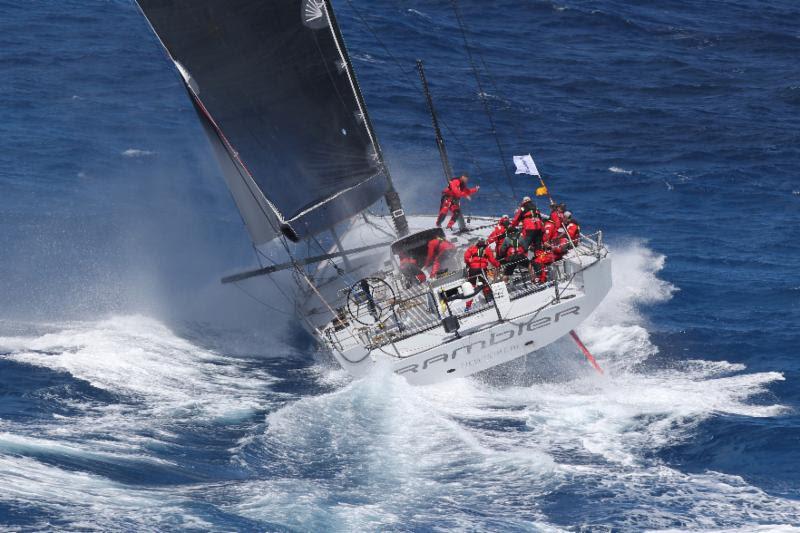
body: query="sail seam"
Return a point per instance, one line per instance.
(330, 199)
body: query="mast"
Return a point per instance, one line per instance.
(448, 170)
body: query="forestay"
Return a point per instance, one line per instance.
(272, 84)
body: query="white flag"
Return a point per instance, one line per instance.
(525, 165)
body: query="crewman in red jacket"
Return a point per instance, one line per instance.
(439, 251)
(499, 232)
(478, 257)
(559, 245)
(513, 254)
(542, 259)
(573, 228)
(557, 214)
(456, 189)
(549, 231)
(532, 229)
(412, 274)
(525, 207)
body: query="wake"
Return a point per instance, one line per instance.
(378, 453)
(509, 455)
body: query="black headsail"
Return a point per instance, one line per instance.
(273, 85)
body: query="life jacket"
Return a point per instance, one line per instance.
(544, 257)
(436, 247)
(530, 222)
(479, 257)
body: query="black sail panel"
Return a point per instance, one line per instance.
(274, 79)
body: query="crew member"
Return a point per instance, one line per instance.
(557, 214)
(549, 231)
(525, 206)
(478, 257)
(499, 232)
(439, 251)
(573, 228)
(532, 229)
(456, 189)
(409, 268)
(542, 259)
(559, 245)
(513, 254)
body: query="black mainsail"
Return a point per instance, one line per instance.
(276, 93)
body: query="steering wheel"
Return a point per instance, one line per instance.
(369, 299)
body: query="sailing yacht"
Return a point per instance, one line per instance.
(277, 96)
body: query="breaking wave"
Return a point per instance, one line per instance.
(377, 453)
(385, 450)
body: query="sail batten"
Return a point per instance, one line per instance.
(272, 81)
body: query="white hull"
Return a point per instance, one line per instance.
(490, 336)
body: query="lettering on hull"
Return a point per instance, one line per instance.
(495, 339)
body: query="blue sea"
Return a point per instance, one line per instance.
(138, 393)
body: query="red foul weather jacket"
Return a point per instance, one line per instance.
(456, 189)
(497, 234)
(531, 223)
(556, 217)
(479, 258)
(550, 231)
(521, 212)
(574, 231)
(436, 248)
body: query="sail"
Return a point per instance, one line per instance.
(275, 91)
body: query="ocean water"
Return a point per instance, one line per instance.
(137, 393)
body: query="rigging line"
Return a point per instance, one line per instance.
(300, 273)
(500, 94)
(258, 300)
(482, 95)
(374, 225)
(408, 78)
(260, 254)
(339, 270)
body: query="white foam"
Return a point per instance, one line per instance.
(619, 170)
(419, 14)
(135, 152)
(381, 443)
(142, 359)
(112, 452)
(380, 454)
(162, 382)
(81, 501)
(394, 449)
